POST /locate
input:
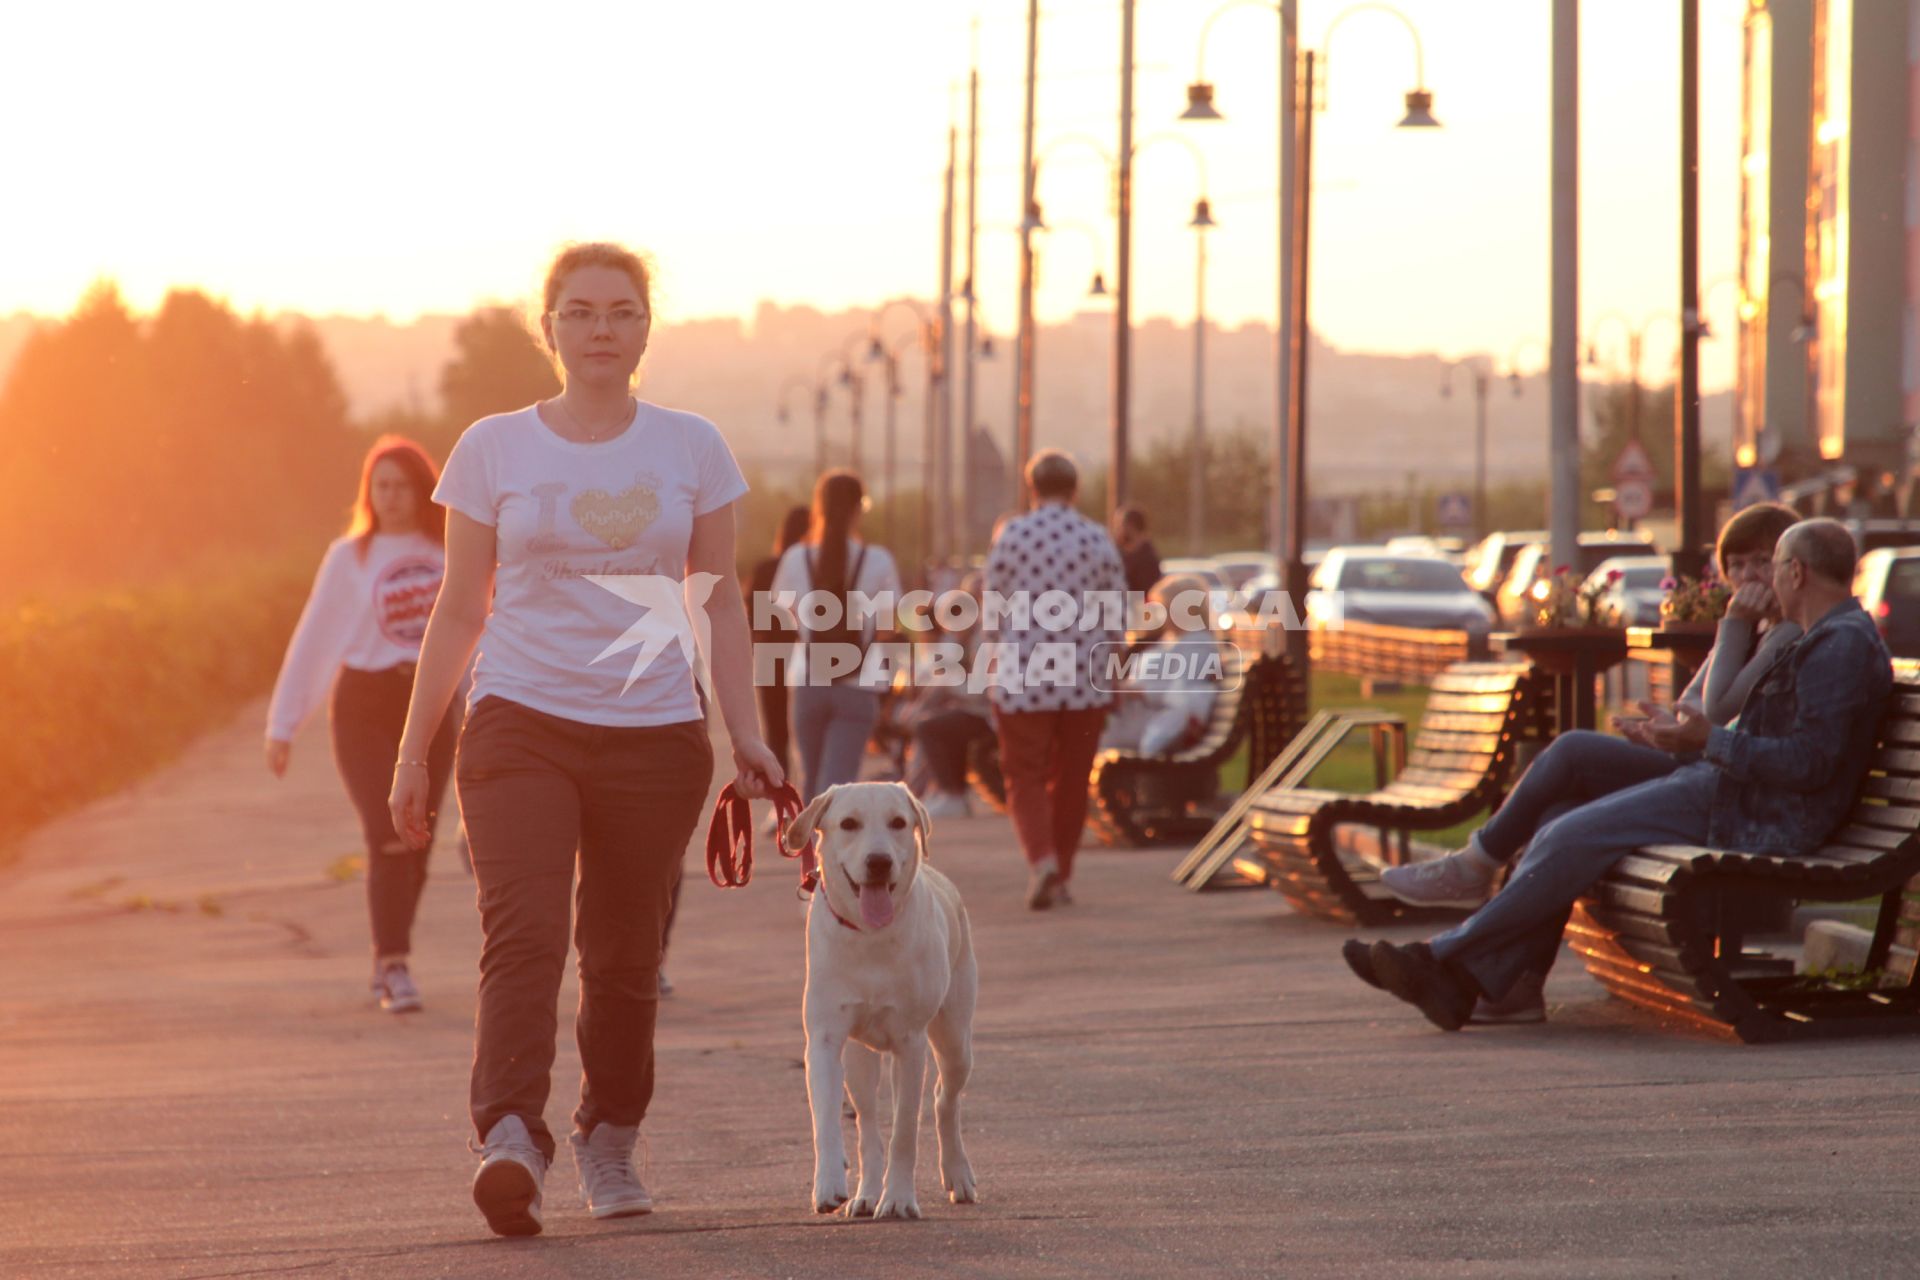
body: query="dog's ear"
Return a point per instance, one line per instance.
(922, 824)
(806, 822)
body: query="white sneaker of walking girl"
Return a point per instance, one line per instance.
(398, 994)
(507, 1187)
(608, 1185)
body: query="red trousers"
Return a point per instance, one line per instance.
(1046, 757)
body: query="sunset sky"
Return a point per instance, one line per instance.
(404, 158)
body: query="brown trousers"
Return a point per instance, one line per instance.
(1046, 757)
(540, 792)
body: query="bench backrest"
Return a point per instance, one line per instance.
(1889, 804)
(1398, 653)
(1223, 722)
(1468, 729)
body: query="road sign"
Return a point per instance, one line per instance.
(1633, 499)
(1754, 484)
(1633, 463)
(1455, 510)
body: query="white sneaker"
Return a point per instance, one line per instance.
(608, 1185)
(948, 804)
(1460, 879)
(507, 1185)
(398, 994)
(1043, 885)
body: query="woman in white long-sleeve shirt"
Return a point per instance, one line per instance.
(357, 643)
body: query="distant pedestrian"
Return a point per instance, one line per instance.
(1050, 731)
(773, 643)
(947, 720)
(834, 711)
(357, 645)
(1137, 552)
(575, 529)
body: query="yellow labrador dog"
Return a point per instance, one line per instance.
(890, 969)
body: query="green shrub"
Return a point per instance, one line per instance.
(97, 692)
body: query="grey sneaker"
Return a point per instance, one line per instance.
(948, 804)
(507, 1186)
(398, 994)
(1526, 1002)
(608, 1185)
(1461, 879)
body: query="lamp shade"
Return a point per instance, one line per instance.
(1419, 111)
(1200, 103)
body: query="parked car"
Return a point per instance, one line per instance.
(1397, 591)
(1490, 559)
(1533, 563)
(1871, 535)
(1223, 598)
(1419, 544)
(1255, 590)
(1238, 568)
(1633, 599)
(1888, 585)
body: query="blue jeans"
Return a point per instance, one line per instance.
(1579, 767)
(1518, 932)
(831, 725)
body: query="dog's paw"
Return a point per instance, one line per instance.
(829, 1194)
(859, 1207)
(892, 1206)
(960, 1186)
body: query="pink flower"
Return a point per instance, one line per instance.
(1614, 575)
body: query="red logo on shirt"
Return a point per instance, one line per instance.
(403, 597)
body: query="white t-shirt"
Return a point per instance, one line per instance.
(877, 574)
(369, 615)
(555, 640)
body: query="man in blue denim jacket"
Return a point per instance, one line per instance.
(1777, 781)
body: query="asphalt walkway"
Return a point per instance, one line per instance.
(194, 1083)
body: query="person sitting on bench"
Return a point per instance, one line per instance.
(1777, 784)
(1164, 702)
(1583, 765)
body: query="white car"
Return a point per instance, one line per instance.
(1398, 591)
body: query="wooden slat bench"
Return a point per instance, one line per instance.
(1458, 766)
(1139, 800)
(1265, 712)
(1408, 655)
(1654, 930)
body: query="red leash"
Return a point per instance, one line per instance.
(730, 838)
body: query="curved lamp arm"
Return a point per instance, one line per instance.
(1206, 28)
(1419, 54)
(1199, 157)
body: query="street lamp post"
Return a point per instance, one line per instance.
(1197, 467)
(1636, 336)
(819, 414)
(1419, 115)
(1200, 222)
(1482, 372)
(926, 332)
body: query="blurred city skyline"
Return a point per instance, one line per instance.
(426, 159)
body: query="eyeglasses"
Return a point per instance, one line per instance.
(586, 319)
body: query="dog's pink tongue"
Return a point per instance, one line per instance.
(876, 906)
